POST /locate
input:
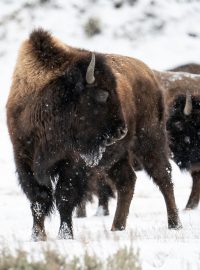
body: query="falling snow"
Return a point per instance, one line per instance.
(163, 34)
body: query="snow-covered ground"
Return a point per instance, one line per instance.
(162, 34)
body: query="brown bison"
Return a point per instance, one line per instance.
(182, 98)
(71, 112)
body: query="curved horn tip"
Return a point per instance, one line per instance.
(188, 104)
(90, 70)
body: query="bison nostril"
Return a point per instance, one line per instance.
(119, 134)
(122, 131)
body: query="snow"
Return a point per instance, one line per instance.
(163, 35)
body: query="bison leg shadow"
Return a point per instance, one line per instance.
(195, 193)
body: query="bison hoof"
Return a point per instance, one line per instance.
(187, 208)
(38, 236)
(191, 207)
(62, 236)
(117, 228)
(65, 232)
(175, 225)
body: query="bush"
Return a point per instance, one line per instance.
(92, 27)
(124, 258)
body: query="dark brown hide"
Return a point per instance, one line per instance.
(62, 129)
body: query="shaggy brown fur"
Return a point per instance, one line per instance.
(184, 129)
(62, 129)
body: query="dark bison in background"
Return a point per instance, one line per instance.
(100, 185)
(191, 68)
(182, 99)
(71, 112)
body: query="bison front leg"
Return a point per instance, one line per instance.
(70, 190)
(40, 198)
(38, 230)
(195, 193)
(125, 178)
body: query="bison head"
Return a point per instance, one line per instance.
(89, 113)
(184, 130)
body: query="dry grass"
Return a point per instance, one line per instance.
(125, 258)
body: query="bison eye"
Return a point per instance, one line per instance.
(101, 96)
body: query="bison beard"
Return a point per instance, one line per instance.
(62, 107)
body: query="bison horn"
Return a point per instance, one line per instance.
(90, 71)
(188, 105)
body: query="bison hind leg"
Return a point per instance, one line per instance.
(81, 210)
(124, 177)
(105, 191)
(160, 170)
(153, 154)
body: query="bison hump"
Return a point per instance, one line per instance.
(49, 51)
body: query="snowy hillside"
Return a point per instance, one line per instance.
(161, 33)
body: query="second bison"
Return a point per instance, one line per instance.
(182, 99)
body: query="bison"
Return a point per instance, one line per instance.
(71, 112)
(100, 185)
(182, 99)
